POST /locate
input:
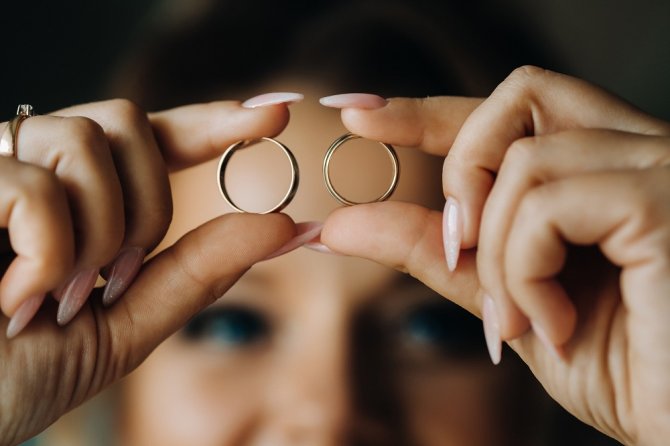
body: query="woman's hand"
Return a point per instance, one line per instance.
(89, 190)
(565, 192)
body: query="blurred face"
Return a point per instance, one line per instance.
(313, 348)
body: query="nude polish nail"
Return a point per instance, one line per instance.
(75, 293)
(320, 247)
(305, 232)
(452, 232)
(492, 329)
(266, 99)
(121, 273)
(24, 315)
(354, 100)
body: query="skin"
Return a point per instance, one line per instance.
(296, 387)
(608, 366)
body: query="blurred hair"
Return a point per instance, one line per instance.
(392, 48)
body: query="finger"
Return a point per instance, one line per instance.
(529, 102)
(629, 231)
(405, 237)
(429, 124)
(144, 180)
(541, 159)
(193, 134)
(76, 151)
(139, 165)
(185, 278)
(34, 208)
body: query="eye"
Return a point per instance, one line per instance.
(444, 327)
(227, 326)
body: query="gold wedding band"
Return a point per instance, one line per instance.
(11, 132)
(227, 155)
(329, 184)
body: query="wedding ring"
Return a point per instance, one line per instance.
(11, 132)
(227, 155)
(329, 184)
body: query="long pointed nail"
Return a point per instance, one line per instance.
(492, 329)
(121, 273)
(75, 293)
(320, 247)
(24, 315)
(452, 232)
(304, 233)
(266, 99)
(354, 100)
(555, 351)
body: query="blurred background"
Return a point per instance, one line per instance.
(61, 53)
(73, 51)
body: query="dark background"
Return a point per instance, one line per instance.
(59, 53)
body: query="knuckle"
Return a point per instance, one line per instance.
(522, 153)
(85, 129)
(126, 113)
(526, 74)
(523, 82)
(88, 135)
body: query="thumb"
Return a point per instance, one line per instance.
(408, 238)
(182, 280)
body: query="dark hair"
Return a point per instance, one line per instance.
(392, 48)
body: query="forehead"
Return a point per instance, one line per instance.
(310, 132)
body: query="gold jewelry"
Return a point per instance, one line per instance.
(326, 170)
(11, 133)
(225, 158)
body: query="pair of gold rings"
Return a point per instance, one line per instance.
(295, 172)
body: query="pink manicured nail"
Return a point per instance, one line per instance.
(555, 351)
(305, 232)
(121, 273)
(273, 99)
(452, 232)
(320, 247)
(75, 293)
(354, 100)
(24, 315)
(492, 329)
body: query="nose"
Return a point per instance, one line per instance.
(309, 396)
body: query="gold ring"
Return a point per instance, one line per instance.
(329, 184)
(225, 158)
(11, 132)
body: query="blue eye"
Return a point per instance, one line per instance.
(445, 327)
(232, 326)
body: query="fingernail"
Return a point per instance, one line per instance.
(555, 351)
(305, 232)
(320, 247)
(492, 330)
(272, 99)
(24, 315)
(452, 232)
(354, 100)
(121, 273)
(75, 293)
